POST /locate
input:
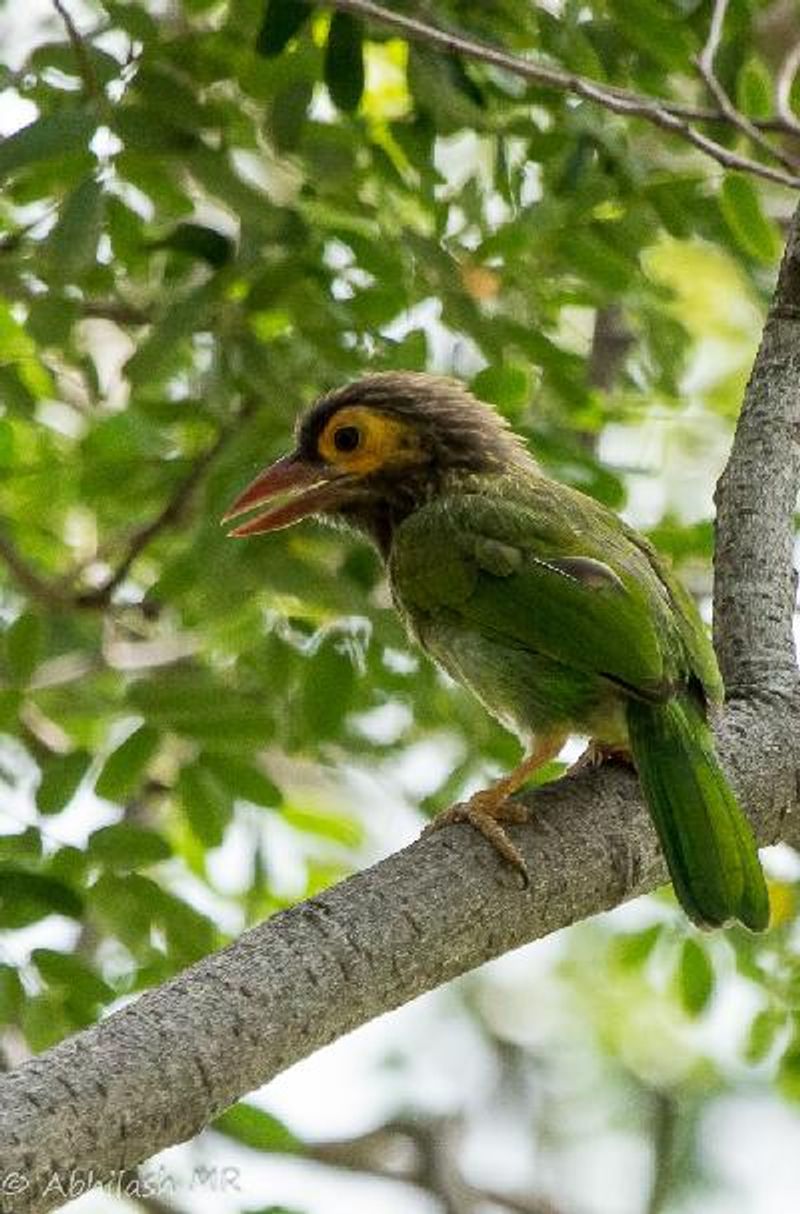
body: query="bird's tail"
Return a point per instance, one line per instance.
(707, 841)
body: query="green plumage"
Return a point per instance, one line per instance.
(561, 618)
(555, 614)
(704, 835)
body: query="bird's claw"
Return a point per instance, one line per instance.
(596, 754)
(487, 815)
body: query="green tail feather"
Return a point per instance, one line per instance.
(705, 837)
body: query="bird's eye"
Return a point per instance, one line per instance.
(347, 438)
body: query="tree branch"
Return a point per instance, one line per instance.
(115, 310)
(657, 111)
(58, 595)
(85, 65)
(422, 1153)
(39, 589)
(170, 514)
(665, 1119)
(755, 580)
(611, 342)
(783, 89)
(705, 64)
(155, 1072)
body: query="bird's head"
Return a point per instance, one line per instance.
(373, 451)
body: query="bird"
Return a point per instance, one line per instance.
(549, 608)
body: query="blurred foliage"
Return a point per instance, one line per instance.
(209, 215)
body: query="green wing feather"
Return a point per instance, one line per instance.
(564, 584)
(702, 660)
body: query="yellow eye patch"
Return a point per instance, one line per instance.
(362, 440)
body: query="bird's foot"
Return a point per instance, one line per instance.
(597, 753)
(487, 811)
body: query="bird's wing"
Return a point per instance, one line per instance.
(702, 660)
(557, 575)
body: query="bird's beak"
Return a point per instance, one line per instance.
(293, 489)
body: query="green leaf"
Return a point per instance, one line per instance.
(741, 209)
(12, 994)
(122, 770)
(26, 843)
(124, 904)
(72, 246)
(61, 56)
(329, 690)
(288, 113)
(72, 974)
(253, 1127)
(344, 61)
(443, 89)
(754, 88)
(651, 28)
(27, 897)
(7, 444)
(596, 259)
(51, 317)
(44, 1021)
(508, 386)
(633, 949)
(124, 846)
(695, 977)
(132, 18)
(61, 777)
(763, 1033)
(66, 130)
(279, 1210)
(788, 1080)
(282, 20)
(325, 825)
(23, 646)
(190, 935)
(153, 130)
(68, 864)
(198, 241)
(243, 780)
(200, 708)
(206, 803)
(158, 354)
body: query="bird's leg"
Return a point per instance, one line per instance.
(488, 809)
(597, 753)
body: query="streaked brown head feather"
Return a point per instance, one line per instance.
(460, 431)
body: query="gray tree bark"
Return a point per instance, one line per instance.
(157, 1071)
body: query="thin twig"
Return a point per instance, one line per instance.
(420, 1153)
(118, 311)
(171, 513)
(787, 75)
(85, 65)
(38, 588)
(611, 341)
(705, 64)
(665, 1125)
(657, 111)
(514, 1203)
(59, 596)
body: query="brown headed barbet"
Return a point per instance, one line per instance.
(552, 611)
